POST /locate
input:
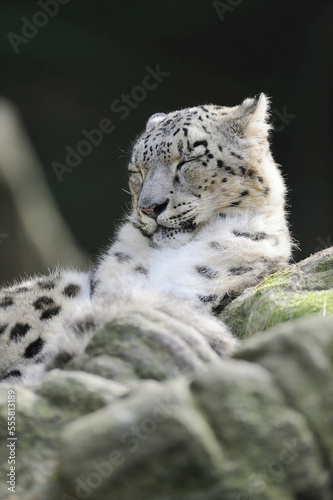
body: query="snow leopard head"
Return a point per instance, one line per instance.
(197, 163)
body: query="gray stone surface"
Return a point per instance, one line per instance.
(227, 433)
(306, 374)
(142, 346)
(150, 412)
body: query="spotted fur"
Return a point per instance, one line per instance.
(207, 221)
(31, 323)
(208, 217)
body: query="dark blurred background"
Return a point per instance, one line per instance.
(64, 78)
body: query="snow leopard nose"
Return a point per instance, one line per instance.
(154, 210)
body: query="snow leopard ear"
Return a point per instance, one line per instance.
(154, 120)
(257, 106)
(253, 116)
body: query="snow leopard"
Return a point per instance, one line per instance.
(207, 221)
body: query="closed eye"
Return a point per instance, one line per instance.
(179, 166)
(132, 170)
(135, 177)
(135, 174)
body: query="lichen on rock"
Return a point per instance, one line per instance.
(298, 290)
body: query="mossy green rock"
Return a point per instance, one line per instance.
(298, 290)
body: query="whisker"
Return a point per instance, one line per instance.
(126, 153)
(121, 149)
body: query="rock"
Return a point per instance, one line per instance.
(79, 392)
(145, 346)
(37, 428)
(151, 412)
(154, 442)
(237, 430)
(41, 412)
(104, 365)
(120, 354)
(300, 358)
(297, 290)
